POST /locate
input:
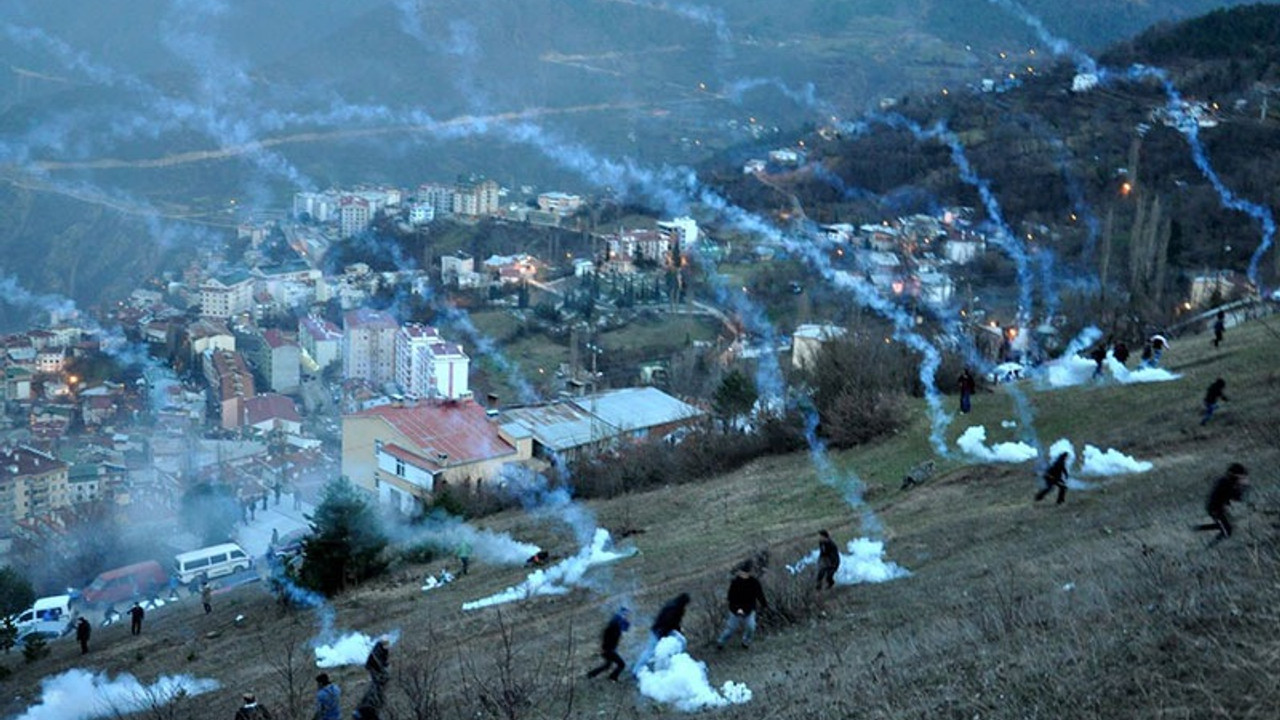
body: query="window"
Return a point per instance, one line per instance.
(399, 467)
(216, 559)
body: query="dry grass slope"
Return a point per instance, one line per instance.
(1105, 607)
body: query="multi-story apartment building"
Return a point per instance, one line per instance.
(475, 199)
(369, 345)
(321, 340)
(226, 295)
(354, 215)
(32, 483)
(428, 366)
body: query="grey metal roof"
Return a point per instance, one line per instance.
(559, 426)
(637, 408)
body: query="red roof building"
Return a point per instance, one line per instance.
(407, 453)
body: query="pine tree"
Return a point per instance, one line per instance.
(346, 541)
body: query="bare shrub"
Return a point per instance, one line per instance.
(517, 681)
(286, 653)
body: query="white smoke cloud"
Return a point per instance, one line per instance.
(1126, 376)
(559, 578)
(1097, 462)
(78, 694)
(863, 563)
(973, 442)
(1111, 462)
(446, 533)
(678, 679)
(351, 649)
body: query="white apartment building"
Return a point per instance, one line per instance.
(682, 232)
(428, 366)
(321, 340)
(476, 199)
(322, 207)
(421, 213)
(439, 197)
(561, 204)
(354, 215)
(226, 295)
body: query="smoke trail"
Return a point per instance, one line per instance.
(676, 678)
(224, 84)
(701, 14)
(806, 96)
(81, 695)
(538, 497)
(410, 20)
(446, 533)
(1184, 123)
(1003, 237)
(1190, 130)
(1057, 45)
(561, 577)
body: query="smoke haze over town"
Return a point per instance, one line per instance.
(416, 341)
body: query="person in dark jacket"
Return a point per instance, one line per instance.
(967, 387)
(83, 631)
(1219, 327)
(745, 595)
(379, 662)
(1227, 489)
(1055, 477)
(206, 597)
(251, 710)
(379, 666)
(668, 622)
(1215, 393)
(136, 614)
(328, 699)
(828, 560)
(609, 640)
(1121, 353)
(1099, 356)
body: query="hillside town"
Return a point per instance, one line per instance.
(257, 370)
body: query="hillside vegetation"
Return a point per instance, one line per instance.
(1106, 606)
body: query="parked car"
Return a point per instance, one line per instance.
(131, 582)
(210, 562)
(49, 616)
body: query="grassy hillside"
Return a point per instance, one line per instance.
(1107, 606)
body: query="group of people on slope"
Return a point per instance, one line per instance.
(745, 598)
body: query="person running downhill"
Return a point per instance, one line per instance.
(1055, 477)
(609, 639)
(1227, 489)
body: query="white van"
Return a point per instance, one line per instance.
(47, 616)
(211, 562)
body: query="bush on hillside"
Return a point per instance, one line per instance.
(859, 386)
(346, 542)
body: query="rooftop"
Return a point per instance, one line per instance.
(365, 318)
(559, 426)
(637, 408)
(445, 434)
(270, 406)
(22, 460)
